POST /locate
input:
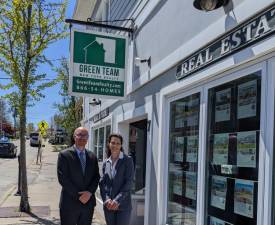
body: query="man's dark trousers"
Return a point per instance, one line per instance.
(81, 217)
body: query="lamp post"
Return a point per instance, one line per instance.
(139, 60)
(209, 5)
(95, 102)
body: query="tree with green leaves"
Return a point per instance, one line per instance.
(71, 107)
(27, 28)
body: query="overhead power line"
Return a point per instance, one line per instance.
(46, 79)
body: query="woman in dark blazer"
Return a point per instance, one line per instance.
(116, 183)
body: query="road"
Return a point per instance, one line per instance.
(9, 169)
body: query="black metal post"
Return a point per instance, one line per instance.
(19, 177)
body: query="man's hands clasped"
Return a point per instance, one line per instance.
(111, 205)
(84, 196)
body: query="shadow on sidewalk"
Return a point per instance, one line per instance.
(39, 220)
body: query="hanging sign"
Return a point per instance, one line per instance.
(244, 35)
(97, 64)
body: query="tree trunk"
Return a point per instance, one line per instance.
(24, 203)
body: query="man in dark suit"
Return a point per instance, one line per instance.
(78, 174)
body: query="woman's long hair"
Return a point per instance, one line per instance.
(108, 150)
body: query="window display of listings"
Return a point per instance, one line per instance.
(223, 105)
(216, 221)
(218, 191)
(192, 148)
(220, 149)
(233, 152)
(178, 149)
(243, 197)
(246, 149)
(183, 158)
(247, 97)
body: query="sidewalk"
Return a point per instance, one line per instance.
(44, 194)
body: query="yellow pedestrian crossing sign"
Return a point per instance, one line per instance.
(42, 133)
(43, 125)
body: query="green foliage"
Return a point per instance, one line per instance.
(27, 28)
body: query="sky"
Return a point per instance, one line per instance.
(44, 109)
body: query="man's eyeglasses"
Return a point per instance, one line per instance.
(82, 136)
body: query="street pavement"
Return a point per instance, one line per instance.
(44, 192)
(9, 169)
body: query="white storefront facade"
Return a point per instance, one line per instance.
(198, 119)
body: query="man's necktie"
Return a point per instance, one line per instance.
(82, 161)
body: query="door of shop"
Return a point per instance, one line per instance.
(137, 150)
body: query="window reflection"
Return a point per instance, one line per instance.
(183, 158)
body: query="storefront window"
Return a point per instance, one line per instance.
(233, 152)
(183, 160)
(101, 144)
(108, 132)
(100, 141)
(95, 141)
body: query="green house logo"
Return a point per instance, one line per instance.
(97, 65)
(97, 49)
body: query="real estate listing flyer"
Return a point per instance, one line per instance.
(216, 221)
(247, 99)
(191, 185)
(246, 149)
(218, 192)
(220, 149)
(223, 105)
(177, 183)
(192, 148)
(243, 197)
(179, 149)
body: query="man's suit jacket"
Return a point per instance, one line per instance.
(119, 187)
(72, 179)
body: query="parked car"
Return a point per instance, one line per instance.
(52, 140)
(35, 140)
(59, 137)
(7, 148)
